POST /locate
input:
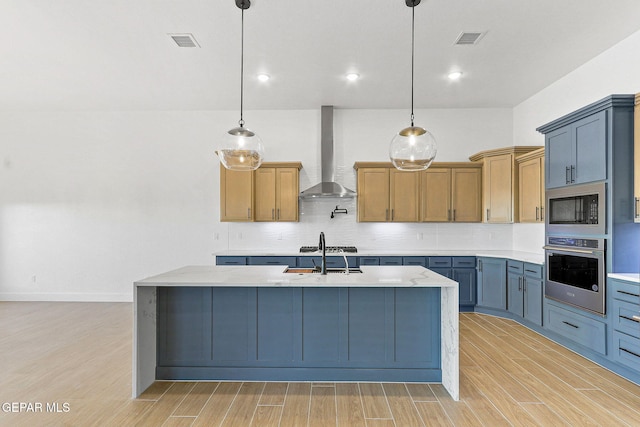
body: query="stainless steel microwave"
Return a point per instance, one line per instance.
(576, 210)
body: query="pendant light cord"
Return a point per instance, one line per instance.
(241, 122)
(413, 20)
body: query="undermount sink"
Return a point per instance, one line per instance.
(302, 270)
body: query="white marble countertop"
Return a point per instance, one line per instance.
(274, 276)
(627, 277)
(531, 257)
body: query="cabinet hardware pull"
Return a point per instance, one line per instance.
(630, 352)
(273, 214)
(573, 173)
(524, 284)
(488, 215)
(632, 318)
(519, 284)
(392, 214)
(570, 324)
(629, 293)
(278, 216)
(542, 213)
(636, 209)
(454, 215)
(537, 208)
(567, 175)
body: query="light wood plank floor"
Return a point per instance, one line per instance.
(79, 354)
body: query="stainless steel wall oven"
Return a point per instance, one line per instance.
(576, 270)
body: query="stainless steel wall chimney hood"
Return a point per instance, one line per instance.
(328, 187)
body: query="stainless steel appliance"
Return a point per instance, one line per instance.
(576, 272)
(576, 210)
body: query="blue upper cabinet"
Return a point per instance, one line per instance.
(578, 145)
(578, 152)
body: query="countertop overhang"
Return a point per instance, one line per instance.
(274, 276)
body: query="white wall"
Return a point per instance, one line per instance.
(615, 71)
(91, 201)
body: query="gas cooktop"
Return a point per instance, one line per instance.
(330, 249)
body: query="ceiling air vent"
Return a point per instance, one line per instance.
(469, 38)
(184, 40)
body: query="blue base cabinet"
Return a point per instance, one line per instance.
(299, 334)
(463, 271)
(492, 283)
(625, 348)
(525, 290)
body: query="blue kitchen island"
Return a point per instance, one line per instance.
(258, 323)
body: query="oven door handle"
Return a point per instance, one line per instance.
(562, 249)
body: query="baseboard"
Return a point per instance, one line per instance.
(65, 297)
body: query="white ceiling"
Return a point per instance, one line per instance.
(117, 55)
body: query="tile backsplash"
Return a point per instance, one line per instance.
(343, 229)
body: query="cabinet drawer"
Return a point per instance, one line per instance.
(439, 261)
(369, 260)
(464, 262)
(390, 260)
(533, 270)
(625, 291)
(414, 260)
(231, 260)
(626, 350)
(515, 267)
(273, 260)
(580, 329)
(623, 317)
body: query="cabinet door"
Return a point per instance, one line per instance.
(466, 278)
(287, 190)
(265, 194)
(590, 141)
(466, 194)
(236, 192)
(558, 149)
(531, 187)
(498, 189)
(435, 193)
(515, 294)
(373, 194)
(533, 300)
(492, 283)
(404, 195)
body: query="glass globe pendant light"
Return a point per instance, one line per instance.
(241, 149)
(413, 148)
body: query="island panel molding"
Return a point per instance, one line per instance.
(248, 323)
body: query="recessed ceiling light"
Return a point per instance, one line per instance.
(455, 75)
(352, 77)
(263, 77)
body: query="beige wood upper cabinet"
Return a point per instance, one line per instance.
(386, 194)
(636, 154)
(373, 194)
(500, 183)
(236, 195)
(531, 186)
(442, 193)
(466, 194)
(451, 194)
(270, 194)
